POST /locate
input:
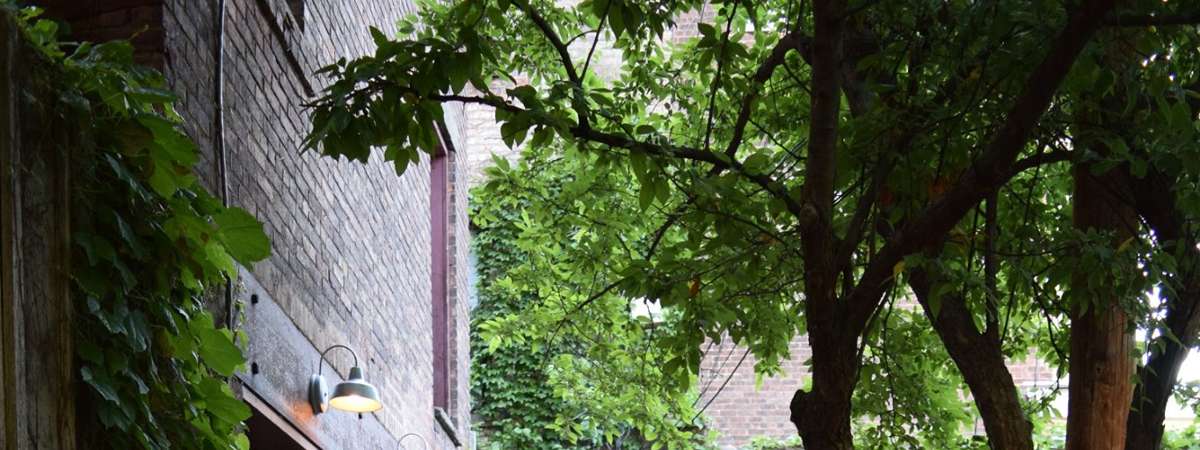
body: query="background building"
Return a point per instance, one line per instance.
(360, 256)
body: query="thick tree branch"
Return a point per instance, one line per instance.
(980, 359)
(822, 416)
(790, 41)
(820, 167)
(717, 160)
(990, 171)
(547, 30)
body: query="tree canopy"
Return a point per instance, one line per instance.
(1021, 173)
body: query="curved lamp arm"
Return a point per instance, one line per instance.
(318, 393)
(331, 347)
(400, 443)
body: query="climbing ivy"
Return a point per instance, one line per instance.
(508, 383)
(148, 243)
(552, 369)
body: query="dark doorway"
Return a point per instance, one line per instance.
(268, 430)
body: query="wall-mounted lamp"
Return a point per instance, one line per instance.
(423, 441)
(354, 394)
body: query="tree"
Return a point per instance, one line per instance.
(797, 165)
(592, 383)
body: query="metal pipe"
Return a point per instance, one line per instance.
(219, 134)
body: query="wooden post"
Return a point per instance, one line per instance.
(35, 310)
(8, 425)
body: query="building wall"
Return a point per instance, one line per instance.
(743, 410)
(351, 250)
(736, 406)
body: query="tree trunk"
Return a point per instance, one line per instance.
(981, 361)
(822, 416)
(1155, 200)
(1101, 342)
(1145, 423)
(1158, 377)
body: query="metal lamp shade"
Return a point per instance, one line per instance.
(355, 394)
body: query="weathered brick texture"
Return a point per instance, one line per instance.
(739, 410)
(351, 242)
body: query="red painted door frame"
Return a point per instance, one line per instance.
(439, 189)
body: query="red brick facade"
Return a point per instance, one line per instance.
(741, 411)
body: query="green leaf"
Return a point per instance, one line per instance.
(216, 346)
(216, 255)
(172, 144)
(163, 179)
(101, 382)
(221, 403)
(139, 331)
(152, 95)
(935, 306)
(378, 36)
(242, 235)
(90, 352)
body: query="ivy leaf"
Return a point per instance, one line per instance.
(163, 179)
(90, 280)
(170, 142)
(125, 175)
(242, 235)
(151, 94)
(221, 403)
(138, 330)
(101, 382)
(216, 255)
(95, 247)
(130, 237)
(241, 442)
(216, 346)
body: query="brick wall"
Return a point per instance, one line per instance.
(351, 242)
(739, 409)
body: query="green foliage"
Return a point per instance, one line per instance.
(508, 382)
(1185, 439)
(148, 243)
(555, 367)
(763, 443)
(688, 180)
(909, 391)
